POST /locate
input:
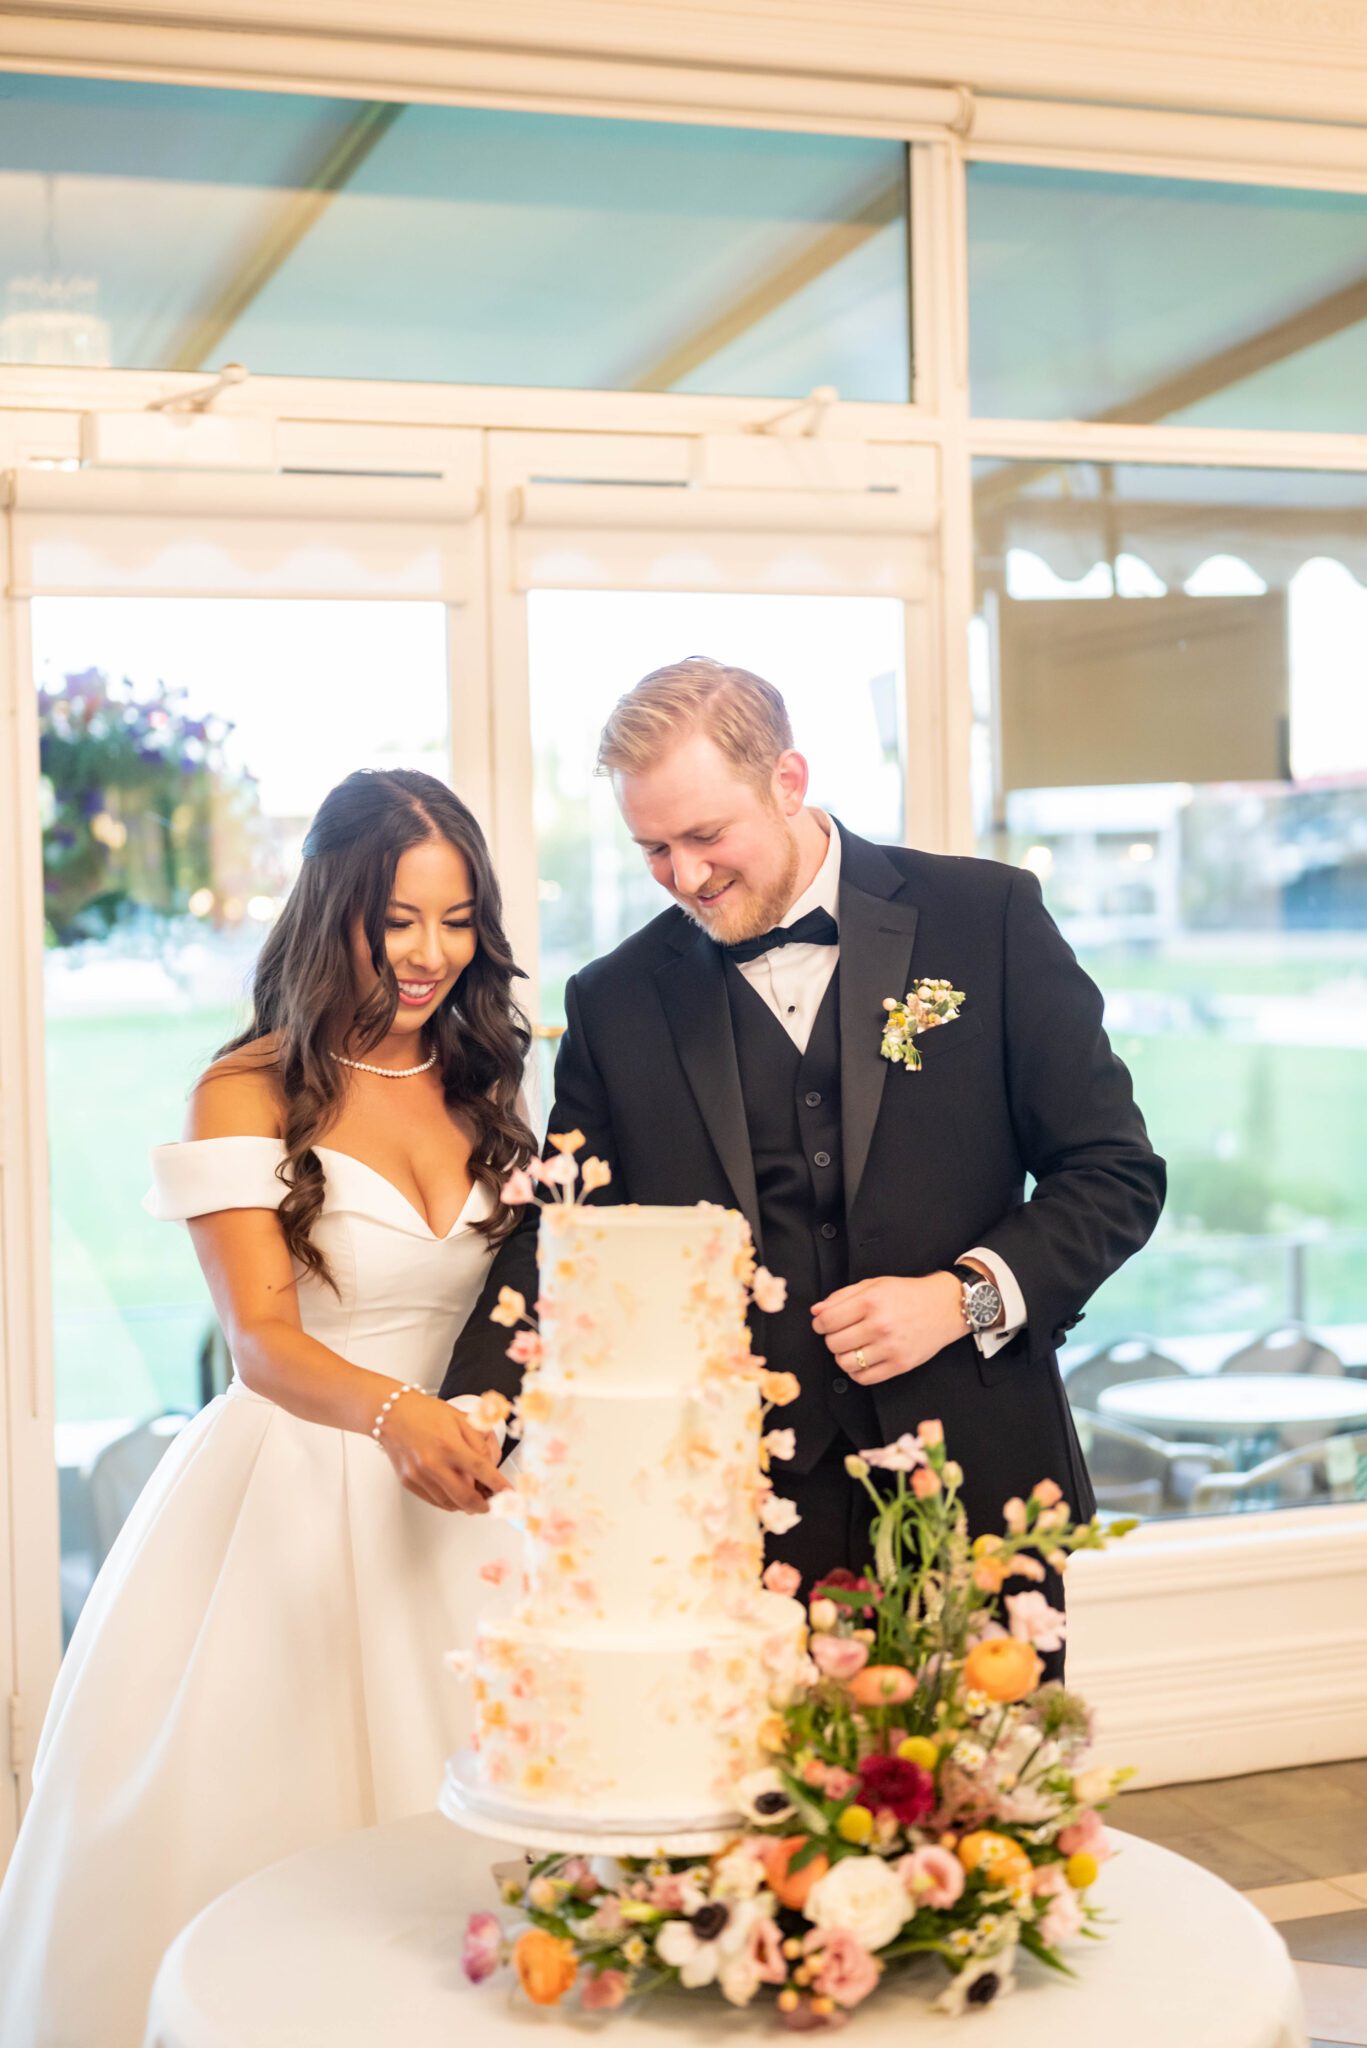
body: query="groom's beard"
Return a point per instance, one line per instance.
(743, 912)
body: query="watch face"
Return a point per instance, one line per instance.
(982, 1304)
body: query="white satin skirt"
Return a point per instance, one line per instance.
(258, 1669)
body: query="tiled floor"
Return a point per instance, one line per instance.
(1295, 1843)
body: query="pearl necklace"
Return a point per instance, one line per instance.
(386, 1073)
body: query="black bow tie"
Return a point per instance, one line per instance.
(817, 928)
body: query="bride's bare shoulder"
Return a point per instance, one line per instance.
(239, 1095)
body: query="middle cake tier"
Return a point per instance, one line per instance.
(639, 1507)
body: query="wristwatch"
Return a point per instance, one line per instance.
(981, 1302)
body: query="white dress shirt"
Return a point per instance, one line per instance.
(793, 980)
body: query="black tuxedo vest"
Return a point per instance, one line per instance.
(792, 1115)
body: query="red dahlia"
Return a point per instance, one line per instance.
(906, 1789)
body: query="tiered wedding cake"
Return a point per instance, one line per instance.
(625, 1693)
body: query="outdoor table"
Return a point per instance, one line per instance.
(1247, 1409)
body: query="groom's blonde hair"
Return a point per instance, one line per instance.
(744, 717)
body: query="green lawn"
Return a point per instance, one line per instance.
(1255, 1136)
(130, 1305)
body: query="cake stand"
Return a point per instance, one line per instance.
(472, 1805)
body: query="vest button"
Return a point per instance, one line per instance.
(830, 1230)
(840, 1386)
(821, 1158)
(812, 1098)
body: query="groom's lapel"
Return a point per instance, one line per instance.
(876, 935)
(693, 990)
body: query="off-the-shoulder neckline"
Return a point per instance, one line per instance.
(332, 1152)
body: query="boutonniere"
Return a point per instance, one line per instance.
(921, 1009)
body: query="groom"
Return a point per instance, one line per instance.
(730, 1053)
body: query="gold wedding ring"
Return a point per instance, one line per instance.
(858, 1362)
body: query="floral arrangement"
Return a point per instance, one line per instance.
(929, 1004)
(928, 1795)
(136, 795)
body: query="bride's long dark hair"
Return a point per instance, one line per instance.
(304, 992)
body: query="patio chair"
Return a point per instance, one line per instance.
(1291, 1347)
(1131, 1358)
(122, 1469)
(1134, 1473)
(1335, 1468)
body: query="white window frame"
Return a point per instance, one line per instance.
(1179, 1701)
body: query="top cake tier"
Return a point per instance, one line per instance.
(642, 1300)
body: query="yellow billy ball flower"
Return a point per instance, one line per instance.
(855, 1824)
(919, 1749)
(788, 2001)
(1080, 1870)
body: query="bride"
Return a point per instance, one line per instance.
(259, 1664)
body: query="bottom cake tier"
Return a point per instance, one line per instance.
(652, 1728)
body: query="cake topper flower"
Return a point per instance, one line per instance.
(560, 1174)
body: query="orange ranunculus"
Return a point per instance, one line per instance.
(881, 1685)
(998, 1857)
(545, 1965)
(791, 1889)
(1003, 1668)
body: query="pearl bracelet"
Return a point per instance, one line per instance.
(382, 1417)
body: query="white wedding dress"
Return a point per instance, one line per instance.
(259, 1664)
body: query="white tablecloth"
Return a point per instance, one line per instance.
(358, 1945)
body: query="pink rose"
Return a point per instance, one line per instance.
(1047, 1493)
(606, 1923)
(1033, 1620)
(931, 1433)
(839, 1656)
(575, 1872)
(483, 1941)
(838, 1782)
(604, 1992)
(925, 1482)
(782, 1578)
(1088, 1835)
(1062, 1916)
(845, 1971)
(934, 1877)
(525, 1348)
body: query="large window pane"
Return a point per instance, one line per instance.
(1096, 297)
(155, 226)
(1170, 681)
(185, 744)
(838, 662)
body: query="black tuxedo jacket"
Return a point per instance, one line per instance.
(1024, 1082)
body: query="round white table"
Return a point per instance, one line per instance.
(358, 1945)
(1245, 1406)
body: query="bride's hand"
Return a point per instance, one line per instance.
(440, 1455)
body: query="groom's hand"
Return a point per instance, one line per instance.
(896, 1324)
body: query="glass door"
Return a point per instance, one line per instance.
(184, 745)
(194, 660)
(840, 662)
(805, 560)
